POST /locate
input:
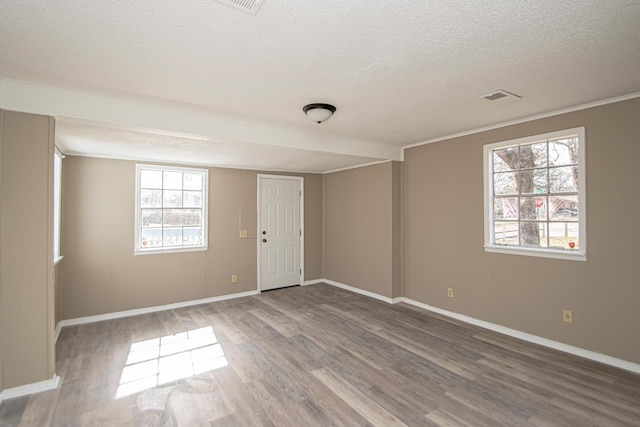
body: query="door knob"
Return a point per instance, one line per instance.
(264, 240)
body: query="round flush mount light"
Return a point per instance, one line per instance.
(319, 112)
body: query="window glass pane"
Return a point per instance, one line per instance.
(544, 234)
(150, 198)
(152, 217)
(533, 208)
(564, 208)
(505, 160)
(525, 181)
(533, 234)
(498, 212)
(506, 233)
(193, 199)
(179, 217)
(504, 183)
(192, 236)
(192, 181)
(533, 181)
(172, 199)
(172, 217)
(564, 235)
(533, 155)
(563, 179)
(172, 236)
(505, 208)
(191, 217)
(151, 237)
(563, 152)
(150, 179)
(172, 180)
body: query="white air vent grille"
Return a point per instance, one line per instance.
(501, 97)
(250, 6)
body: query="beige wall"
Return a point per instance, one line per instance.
(443, 238)
(26, 262)
(361, 249)
(313, 234)
(101, 274)
(396, 229)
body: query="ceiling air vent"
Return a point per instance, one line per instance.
(501, 97)
(249, 6)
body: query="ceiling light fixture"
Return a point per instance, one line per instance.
(319, 112)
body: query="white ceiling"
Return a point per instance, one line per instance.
(74, 138)
(399, 72)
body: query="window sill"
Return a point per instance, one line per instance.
(169, 251)
(557, 254)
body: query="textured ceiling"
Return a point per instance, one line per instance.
(399, 72)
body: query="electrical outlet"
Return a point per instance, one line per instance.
(567, 316)
(450, 292)
(243, 234)
(234, 278)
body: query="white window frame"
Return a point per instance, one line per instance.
(489, 245)
(138, 211)
(57, 205)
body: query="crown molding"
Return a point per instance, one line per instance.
(525, 119)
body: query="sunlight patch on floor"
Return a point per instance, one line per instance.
(162, 360)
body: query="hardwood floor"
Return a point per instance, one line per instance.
(317, 355)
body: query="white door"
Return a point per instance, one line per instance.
(279, 232)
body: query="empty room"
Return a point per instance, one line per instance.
(319, 213)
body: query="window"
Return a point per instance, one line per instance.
(171, 209)
(535, 195)
(57, 204)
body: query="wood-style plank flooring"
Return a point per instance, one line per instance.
(317, 355)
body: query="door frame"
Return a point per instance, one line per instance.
(260, 177)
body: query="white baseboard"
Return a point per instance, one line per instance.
(577, 351)
(137, 311)
(360, 291)
(26, 389)
(587, 354)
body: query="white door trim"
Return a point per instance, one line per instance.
(259, 220)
